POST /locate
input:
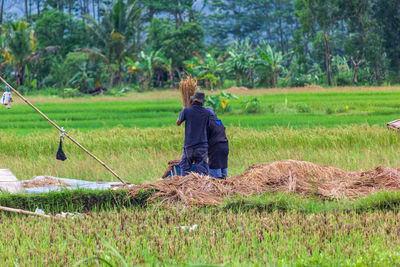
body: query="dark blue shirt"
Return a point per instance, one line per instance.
(216, 132)
(196, 119)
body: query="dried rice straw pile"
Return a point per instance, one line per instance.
(299, 177)
(45, 182)
(187, 88)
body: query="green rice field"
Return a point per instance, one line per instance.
(296, 110)
(136, 135)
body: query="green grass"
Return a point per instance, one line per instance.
(270, 229)
(285, 202)
(273, 229)
(152, 237)
(140, 155)
(276, 110)
(73, 200)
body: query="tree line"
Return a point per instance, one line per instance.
(91, 46)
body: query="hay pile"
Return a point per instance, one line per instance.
(187, 87)
(299, 177)
(45, 182)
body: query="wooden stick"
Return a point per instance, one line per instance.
(24, 212)
(62, 131)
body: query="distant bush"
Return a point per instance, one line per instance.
(70, 92)
(344, 79)
(221, 102)
(252, 105)
(303, 108)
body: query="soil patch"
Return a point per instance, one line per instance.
(304, 178)
(236, 89)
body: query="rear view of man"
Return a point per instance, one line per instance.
(218, 147)
(195, 147)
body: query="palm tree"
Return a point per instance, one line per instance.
(269, 63)
(114, 35)
(20, 45)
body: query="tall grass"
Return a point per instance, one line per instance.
(154, 236)
(140, 155)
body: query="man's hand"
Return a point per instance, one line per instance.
(178, 122)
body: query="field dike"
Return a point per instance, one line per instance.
(300, 177)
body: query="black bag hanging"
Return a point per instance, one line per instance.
(60, 153)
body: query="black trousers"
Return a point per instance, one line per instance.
(218, 155)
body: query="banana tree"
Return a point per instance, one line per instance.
(207, 68)
(83, 78)
(146, 63)
(269, 63)
(167, 65)
(240, 61)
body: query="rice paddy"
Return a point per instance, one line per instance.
(192, 237)
(296, 110)
(138, 137)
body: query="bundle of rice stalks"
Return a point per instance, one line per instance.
(187, 88)
(304, 178)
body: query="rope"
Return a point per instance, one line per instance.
(63, 132)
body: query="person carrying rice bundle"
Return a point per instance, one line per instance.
(195, 148)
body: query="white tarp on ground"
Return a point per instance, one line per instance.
(75, 184)
(8, 182)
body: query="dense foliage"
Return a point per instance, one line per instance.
(91, 46)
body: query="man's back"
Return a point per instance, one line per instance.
(216, 132)
(196, 119)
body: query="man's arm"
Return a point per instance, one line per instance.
(181, 118)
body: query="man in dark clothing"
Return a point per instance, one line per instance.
(195, 146)
(218, 146)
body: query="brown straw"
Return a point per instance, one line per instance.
(299, 177)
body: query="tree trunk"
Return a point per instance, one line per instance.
(355, 66)
(328, 60)
(138, 36)
(70, 7)
(29, 8)
(87, 6)
(93, 10)
(274, 79)
(355, 76)
(377, 74)
(176, 20)
(20, 75)
(1, 14)
(171, 77)
(252, 78)
(26, 9)
(38, 7)
(98, 10)
(179, 73)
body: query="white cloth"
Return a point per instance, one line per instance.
(6, 98)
